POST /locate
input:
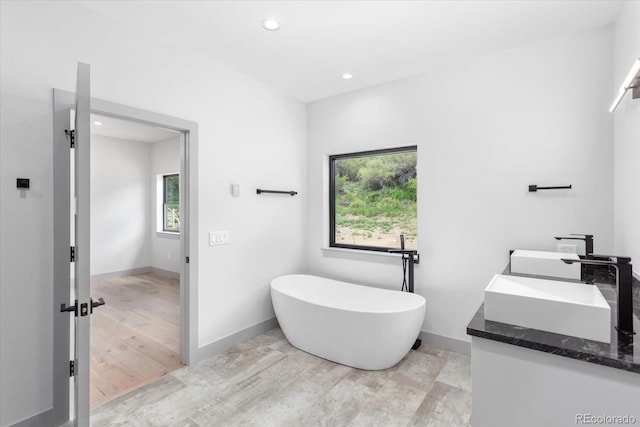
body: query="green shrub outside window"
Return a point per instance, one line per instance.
(373, 199)
(171, 203)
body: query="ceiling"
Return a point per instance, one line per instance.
(130, 130)
(376, 41)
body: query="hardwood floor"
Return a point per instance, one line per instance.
(266, 382)
(135, 337)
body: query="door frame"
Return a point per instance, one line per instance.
(62, 102)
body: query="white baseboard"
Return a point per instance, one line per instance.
(446, 343)
(38, 420)
(229, 341)
(165, 273)
(121, 273)
(134, 271)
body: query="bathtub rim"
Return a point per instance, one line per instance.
(420, 306)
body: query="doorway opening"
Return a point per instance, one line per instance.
(71, 328)
(135, 255)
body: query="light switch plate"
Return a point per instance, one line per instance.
(219, 237)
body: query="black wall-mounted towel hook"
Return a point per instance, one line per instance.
(290, 192)
(534, 188)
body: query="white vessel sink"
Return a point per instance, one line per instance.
(566, 308)
(542, 263)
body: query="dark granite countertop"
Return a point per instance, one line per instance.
(622, 353)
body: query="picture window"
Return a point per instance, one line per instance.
(373, 199)
(171, 203)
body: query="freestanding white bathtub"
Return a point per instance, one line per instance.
(359, 326)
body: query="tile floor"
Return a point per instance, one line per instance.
(267, 382)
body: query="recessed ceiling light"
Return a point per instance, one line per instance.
(270, 24)
(97, 123)
(347, 76)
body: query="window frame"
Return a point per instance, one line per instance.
(164, 202)
(332, 194)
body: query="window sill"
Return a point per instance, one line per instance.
(168, 235)
(362, 255)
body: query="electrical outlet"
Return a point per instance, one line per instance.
(567, 249)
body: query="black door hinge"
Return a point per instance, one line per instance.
(187, 260)
(72, 137)
(73, 254)
(72, 368)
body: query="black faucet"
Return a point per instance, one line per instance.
(588, 248)
(409, 256)
(624, 289)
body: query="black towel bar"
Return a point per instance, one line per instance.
(533, 188)
(291, 192)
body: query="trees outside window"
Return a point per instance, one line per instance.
(373, 199)
(171, 203)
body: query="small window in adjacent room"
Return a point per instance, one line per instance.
(373, 199)
(171, 203)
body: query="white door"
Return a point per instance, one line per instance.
(71, 236)
(82, 250)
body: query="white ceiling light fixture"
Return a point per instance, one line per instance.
(270, 24)
(632, 81)
(347, 76)
(97, 123)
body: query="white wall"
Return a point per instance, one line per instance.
(165, 247)
(124, 205)
(626, 119)
(485, 128)
(26, 265)
(120, 204)
(248, 134)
